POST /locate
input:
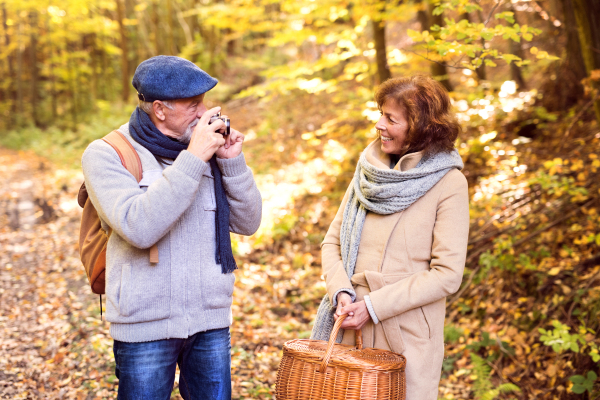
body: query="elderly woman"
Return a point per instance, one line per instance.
(397, 246)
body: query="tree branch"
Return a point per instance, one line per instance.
(492, 12)
(576, 118)
(553, 224)
(437, 62)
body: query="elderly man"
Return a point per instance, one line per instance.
(195, 189)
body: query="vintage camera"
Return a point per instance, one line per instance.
(224, 131)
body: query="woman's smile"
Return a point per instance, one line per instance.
(392, 128)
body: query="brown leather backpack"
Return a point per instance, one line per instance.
(92, 238)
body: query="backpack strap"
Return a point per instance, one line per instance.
(129, 157)
(131, 161)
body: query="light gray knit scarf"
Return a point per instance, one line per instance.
(382, 191)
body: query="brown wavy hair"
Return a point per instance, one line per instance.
(432, 125)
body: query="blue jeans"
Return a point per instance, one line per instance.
(147, 370)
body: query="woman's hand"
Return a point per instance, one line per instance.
(343, 300)
(358, 315)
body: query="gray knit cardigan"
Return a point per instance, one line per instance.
(173, 205)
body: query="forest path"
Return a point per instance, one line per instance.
(53, 343)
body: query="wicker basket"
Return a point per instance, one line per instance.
(317, 370)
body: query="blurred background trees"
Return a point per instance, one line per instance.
(60, 60)
(298, 77)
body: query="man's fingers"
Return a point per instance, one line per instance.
(217, 125)
(209, 113)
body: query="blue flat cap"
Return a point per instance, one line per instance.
(170, 78)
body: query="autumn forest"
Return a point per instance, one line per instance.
(298, 79)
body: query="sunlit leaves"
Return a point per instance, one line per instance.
(457, 39)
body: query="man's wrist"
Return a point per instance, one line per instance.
(232, 166)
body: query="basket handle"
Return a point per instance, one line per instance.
(331, 343)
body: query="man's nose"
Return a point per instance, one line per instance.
(202, 110)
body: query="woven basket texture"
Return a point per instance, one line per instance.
(317, 370)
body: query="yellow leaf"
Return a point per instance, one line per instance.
(554, 271)
(534, 50)
(65, 382)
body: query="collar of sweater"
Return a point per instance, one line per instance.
(381, 160)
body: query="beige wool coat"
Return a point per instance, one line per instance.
(408, 262)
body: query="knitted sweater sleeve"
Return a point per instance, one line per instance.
(136, 215)
(245, 201)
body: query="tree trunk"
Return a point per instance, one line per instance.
(34, 98)
(157, 30)
(124, 52)
(480, 71)
(587, 14)
(574, 58)
(73, 86)
(383, 69)
(517, 50)
(10, 90)
(427, 20)
(134, 56)
(169, 30)
(19, 111)
(54, 94)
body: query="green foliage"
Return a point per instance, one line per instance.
(455, 40)
(452, 333)
(284, 225)
(490, 346)
(557, 185)
(483, 387)
(561, 339)
(583, 383)
(63, 145)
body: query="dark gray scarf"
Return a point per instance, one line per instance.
(143, 130)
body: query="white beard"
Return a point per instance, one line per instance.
(187, 135)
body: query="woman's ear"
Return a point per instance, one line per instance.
(159, 110)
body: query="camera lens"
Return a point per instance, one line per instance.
(227, 129)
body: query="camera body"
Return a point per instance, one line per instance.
(224, 131)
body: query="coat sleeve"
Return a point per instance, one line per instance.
(336, 278)
(448, 256)
(245, 201)
(140, 217)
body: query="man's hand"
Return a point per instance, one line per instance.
(358, 315)
(205, 140)
(233, 145)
